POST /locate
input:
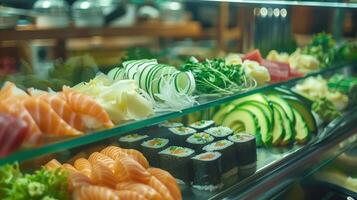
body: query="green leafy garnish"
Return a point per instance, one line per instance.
(325, 109)
(322, 46)
(215, 76)
(42, 184)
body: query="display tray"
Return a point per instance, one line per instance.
(60, 144)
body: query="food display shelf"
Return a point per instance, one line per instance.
(204, 103)
(319, 4)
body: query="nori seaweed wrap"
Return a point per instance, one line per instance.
(177, 161)
(207, 171)
(226, 148)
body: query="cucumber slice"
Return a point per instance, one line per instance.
(278, 131)
(183, 82)
(262, 119)
(116, 73)
(245, 117)
(142, 73)
(287, 109)
(287, 125)
(302, 132)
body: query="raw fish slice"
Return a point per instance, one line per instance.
(78, 179)
(102, 175)
(130, 195)
(86, 105)
(60, 106)
(69, 168)
(15, 108)
(47, 119)
(53, 164)
(117, 152)
(160, 188)
(10, 90)
(129, 169)
(84, 166)
(13, 132)
(105, 160)
(168, 180)
(145, 190)
(93, 192)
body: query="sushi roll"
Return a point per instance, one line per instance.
(202, 124)
(207, 171)
(177, 161)
(151, 149)
(226, 148)
(132, 141)
(180, 134)
(246, 153)
(171, 124)
(198, 140)
(219, 132)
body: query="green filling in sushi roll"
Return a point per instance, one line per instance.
(219, 132)
(198, 140)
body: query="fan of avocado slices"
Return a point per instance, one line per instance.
(277, 118)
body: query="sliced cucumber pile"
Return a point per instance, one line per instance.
(277, 118)
(154, 77)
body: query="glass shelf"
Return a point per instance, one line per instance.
(28, 154)
(292, 3)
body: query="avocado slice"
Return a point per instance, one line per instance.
(302, 132)
(262, 119)
(278, 129)
(304, 111)
(287, 125)
(287, 109)
(245, 117)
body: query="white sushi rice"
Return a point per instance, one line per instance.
(132, 138)
(200, 138)
(214, 147)
(163, 141)
(182, 130)
(210, 188)
(220, 131)
(168, 151)
(170, 124)
(202, 124)
(199, 156)
(241, 137)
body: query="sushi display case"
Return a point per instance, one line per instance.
(239, 127)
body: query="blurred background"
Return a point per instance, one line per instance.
(39, 32)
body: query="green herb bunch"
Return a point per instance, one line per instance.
(43, 184)
(322, 46)
(215, 76)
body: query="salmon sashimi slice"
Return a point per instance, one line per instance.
(84, 166)
(78, 179)
(168, 180)
(60, 106)
(87, 106)
(117, 152)
(10, 90)
(102, 175)
(69, 168)
(15, 108)
(130, 195)
(53, 164)
(160, 188)
(47, 119)
(105, 160)
(145, 190)
(93, 192)
(128, 169)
